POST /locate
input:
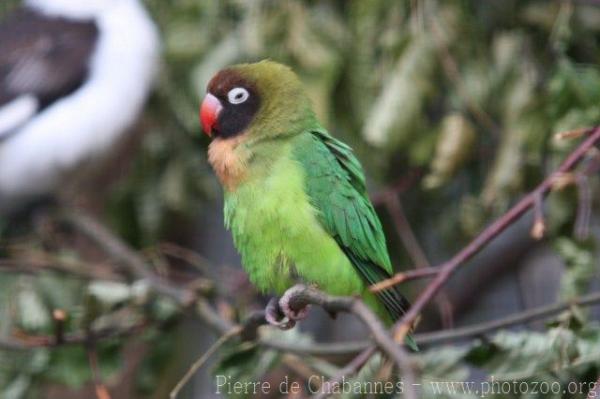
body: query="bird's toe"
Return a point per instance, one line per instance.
(274, 316)
(293, 313)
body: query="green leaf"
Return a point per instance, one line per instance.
(33, 314)
(110, 292)
(580, 266)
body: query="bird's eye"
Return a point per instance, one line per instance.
(237, 95)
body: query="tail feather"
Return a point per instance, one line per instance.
(392, 299)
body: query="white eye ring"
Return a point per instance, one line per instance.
(237, 95)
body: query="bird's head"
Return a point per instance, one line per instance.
(263, 99)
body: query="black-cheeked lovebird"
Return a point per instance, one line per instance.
(295, 197)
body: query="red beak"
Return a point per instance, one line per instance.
(209, 113)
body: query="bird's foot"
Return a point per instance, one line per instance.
(285, 306)
(275, 317)
(284, 314)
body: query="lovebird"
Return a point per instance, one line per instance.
(295, 197)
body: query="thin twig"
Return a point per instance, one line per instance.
(319, 349)
(416, 253)
(302, 296)
(75, 338)
(99, 387)
(299, 367)
(203, 359)
(424, 272)
(514, 319)
(34, 264)
(405, 232)
(450, 68)
(350, 369)
(398, 187)
(189, 256)
(539, 223)
(316, 348)
(126, 256)
(437, 337)
(478, 243)
(59, 317)
(571, 134)
(584, 208)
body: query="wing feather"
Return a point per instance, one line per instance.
(336, 187)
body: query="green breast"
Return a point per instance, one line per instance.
(277, 233)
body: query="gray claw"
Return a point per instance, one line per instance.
(274, 316)
(284, 305)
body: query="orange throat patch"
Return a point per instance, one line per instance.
(227, 162)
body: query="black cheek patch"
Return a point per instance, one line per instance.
(235, 118)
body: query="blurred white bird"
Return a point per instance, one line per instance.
(74, 75)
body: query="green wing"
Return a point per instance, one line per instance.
(335, 184)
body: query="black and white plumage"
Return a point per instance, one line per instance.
(74, 75)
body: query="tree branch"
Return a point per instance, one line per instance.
(138, 267)
(99, 387)
(447, 269)
(437, 337)
(416, 253)
(299, 297)
(351, 368)
(34, 266)
(202, 360)
(421, 273)
(75, 338)
(124, 255)
(514, 319)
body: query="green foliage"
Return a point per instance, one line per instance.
(580, 264)
(245, 363)
(467, 92)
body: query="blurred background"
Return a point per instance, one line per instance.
(451, 106)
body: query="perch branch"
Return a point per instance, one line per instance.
(438, 337)
(299, 298)
(222, 326)
(310, 296)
